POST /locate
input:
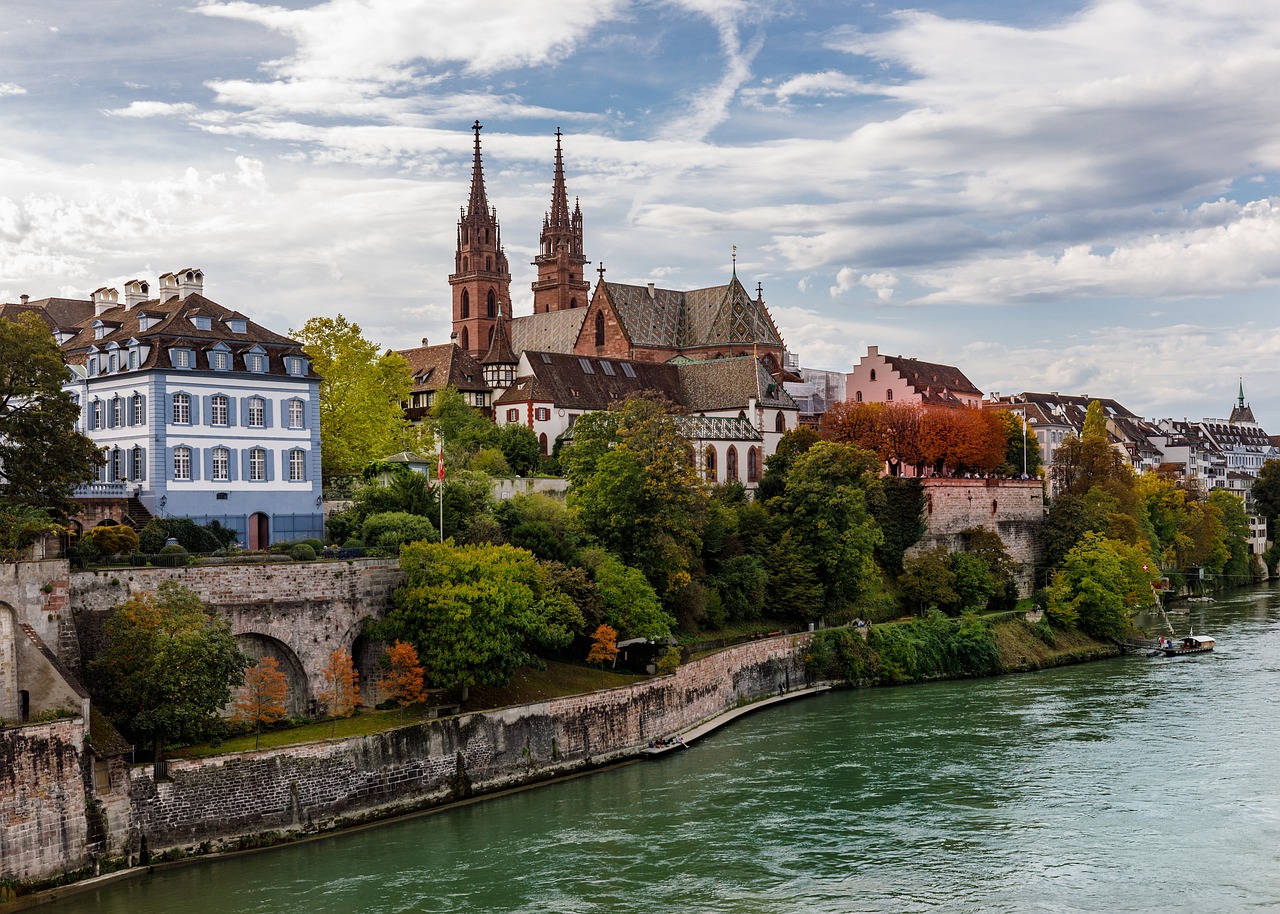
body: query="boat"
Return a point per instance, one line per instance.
(1191, 644)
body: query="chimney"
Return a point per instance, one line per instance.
(135, 293)
(424, 342)
(873, 351)
(104, 299)
(651, 295)
(168, 287)
(24, 298)
(190, 281)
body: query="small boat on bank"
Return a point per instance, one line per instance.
(1191, 644)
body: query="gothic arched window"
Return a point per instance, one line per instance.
(731, 464)
(488, 264)
(858, 396)
(753, 463)
(873, 374)
(780, 423)
(710, 463)
(466, 304)
(542, 443)
(573, 303)
(491, 306)
(888, 396)
(465, 339)
(599, 328)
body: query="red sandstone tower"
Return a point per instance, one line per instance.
(481, 280)
(560, 260)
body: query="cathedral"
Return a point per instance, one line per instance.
(714, 352)
(621, 321)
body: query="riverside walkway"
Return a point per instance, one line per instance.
(684, 738)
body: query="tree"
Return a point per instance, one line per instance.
(1022, 450)
(604, 645)
(1238, 569)
(168, 669)
(42, 456)
(1100, 583)
(21, 525)
(405, 674)
(261, 700)
(629, 602)
(341, 692)
(463, 428)
(637, 492)
(520, 446)
(361, 392)
(1266, 494)
(927, 581)
(476, 613)
(824, 509)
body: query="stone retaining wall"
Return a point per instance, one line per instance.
(1011, 508)
(336, 782)
(44, 826)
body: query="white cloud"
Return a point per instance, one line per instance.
(11, 89)
(144, 109)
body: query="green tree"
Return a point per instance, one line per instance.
(636, 490)
(928, 581)
(21, 525)
(361, 392)
(824, 507)
(520, 446)
(476, 613)
(389, 531)
(1022, 450)
(168, 669)
(1101, 582)
(628, 600)
(1238, 569)
(464, 429)
(794, 443)
(1266, 494)
(43, 456)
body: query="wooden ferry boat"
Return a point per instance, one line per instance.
(1191, 644)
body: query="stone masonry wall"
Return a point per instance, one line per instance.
(43, 822)
(343, 781)
(309, 608)
(1012, 508)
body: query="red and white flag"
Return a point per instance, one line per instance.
(440, 466)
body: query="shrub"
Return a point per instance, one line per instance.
(353, 542)
(388, 531)
(189, 534)
(302, 552)
(314, 543)
(171, 556)
(116, 539)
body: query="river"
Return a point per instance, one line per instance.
(1133, 784)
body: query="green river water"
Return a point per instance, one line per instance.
(1133, 784)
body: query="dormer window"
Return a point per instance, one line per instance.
(219, 360)
(99, 331)
(296, 366)
(236, 325)
(133, 358)
(93, 366)
(181, 358)
(201, 322)
(255, 362)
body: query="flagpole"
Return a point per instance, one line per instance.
(440, 477)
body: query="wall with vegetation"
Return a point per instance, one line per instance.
(335, 782)
(43, 822)
(1012, 508)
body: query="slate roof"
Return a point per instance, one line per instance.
(552, 331)
(718, 384)
(578, 382)
(500, 352)
(445, 365)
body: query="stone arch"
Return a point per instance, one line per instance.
(300, 701)
(10, 707)
(542, 443)
(366, 654)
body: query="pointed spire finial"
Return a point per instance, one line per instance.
(735, 260)
(601, 271)
(1241, 392)
(479, 203)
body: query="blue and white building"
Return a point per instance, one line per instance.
(201, 413)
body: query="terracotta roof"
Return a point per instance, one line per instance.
(936, 383)
(446, 365)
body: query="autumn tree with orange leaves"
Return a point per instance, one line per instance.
(910, 435)
(342, 685)
(405, 676)
(261, 700)
(604, 645)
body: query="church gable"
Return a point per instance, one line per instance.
(603, 332)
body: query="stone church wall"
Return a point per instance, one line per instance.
(1012, 508)
(336, 782)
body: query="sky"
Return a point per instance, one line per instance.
(1066, 196)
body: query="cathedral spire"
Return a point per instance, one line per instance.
(560, 260)
(478, 203)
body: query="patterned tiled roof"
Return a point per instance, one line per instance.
(716, 316)
(445, 365)
(709, 428)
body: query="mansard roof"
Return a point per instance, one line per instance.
(166, 325)
(58, 313)
(441, 366)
